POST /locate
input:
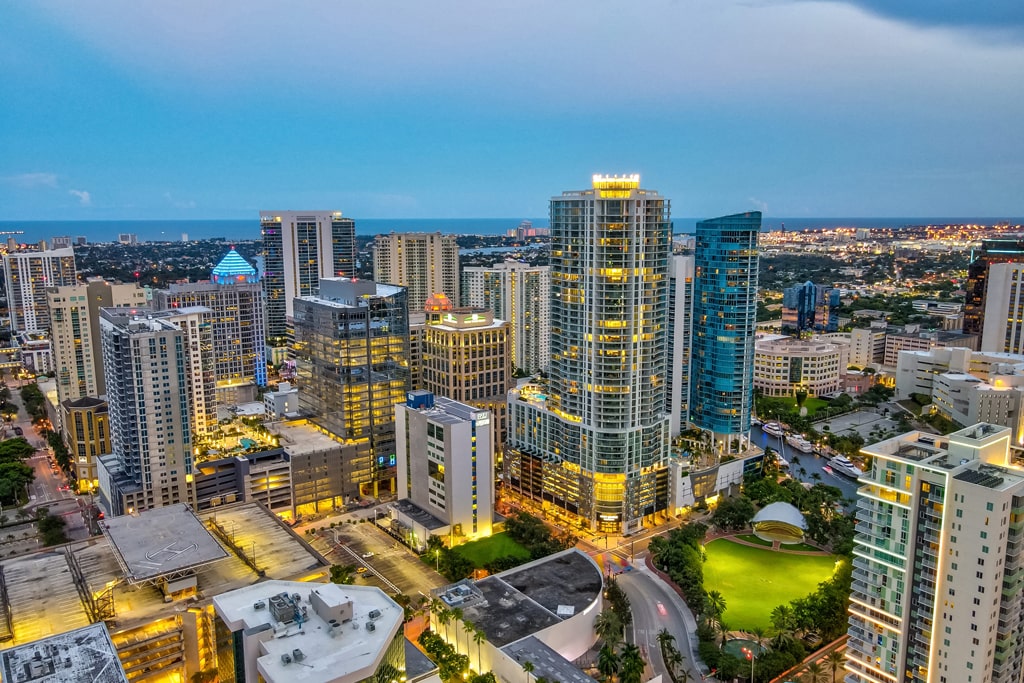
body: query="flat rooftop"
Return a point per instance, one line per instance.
(419, 515)
(85, 654)
(328, 653)
(300, 438)
(520, 602)
(161, 541)
(547, 663)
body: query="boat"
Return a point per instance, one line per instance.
(798, 442)
(773, 428)
(827, 469)
(782, 462)
(756, 422)
(843, 465)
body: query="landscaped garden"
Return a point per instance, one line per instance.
(486, 550)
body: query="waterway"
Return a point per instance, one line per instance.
(811, 463)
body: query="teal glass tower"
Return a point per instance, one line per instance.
(724, 317)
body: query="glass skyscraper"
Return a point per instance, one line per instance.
(724, 318)
(593, 441)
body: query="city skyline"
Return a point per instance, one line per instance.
(840, 109)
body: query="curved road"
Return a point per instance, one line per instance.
(645, 591)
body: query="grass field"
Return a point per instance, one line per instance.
(754, 581)
(491, 548)
(812, 403)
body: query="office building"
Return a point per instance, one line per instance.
(938, 564)
(158, 367)
(991, 252)
(810, 307)
(591, 442)
(422, 262)
(351, 346)
(867, 345)
(348, 634)
(85, 428)
(913, 338)
(75, 332)
(784, 366)
(521, 294)
(27, 275)
(84, 654)
(446, 463)
(235, 296)
(300, 248)
(466, 358)
(1003, 321)
(680, 340)
(724, 319)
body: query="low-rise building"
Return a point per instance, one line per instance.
(784, 366)
(912, 338)
(283, 402)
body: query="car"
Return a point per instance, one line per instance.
(361, 570)
(19, 431)
(367, 555)
(661, 609)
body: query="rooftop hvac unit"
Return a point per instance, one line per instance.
(259, 604)
(370, 626)
(297, 655)
(375, 614)
(286, 659)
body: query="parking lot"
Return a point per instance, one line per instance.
(862, 421)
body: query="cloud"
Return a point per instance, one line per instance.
(30, 181)
(760, 205)
(997, 15)
(179, 203)
(84, 198)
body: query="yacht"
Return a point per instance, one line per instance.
(773, 428)
(843, 465)
(781, 460)
(756, 422)
(798, 442)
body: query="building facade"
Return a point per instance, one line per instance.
(938, 561)
(27, 275)
(1003, 321)
(85, 427)
(912, 338)
(810, 307)
(300, 248)
(591, 444)
(235, 297)
(352, 346)
(75, 332)
(680, 340)
(784, 366)
(724, 320)
(990, 252)
(521, 294)
(422, 262)
(446, 462)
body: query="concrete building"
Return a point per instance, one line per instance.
(27, 275)
(161, 404)
(680, 341)
(75, 332)
(951, 312)
(867, 345)
(1003, 320)
(991, 252)
(912, 338)
(422, 262)
(417, 338)
(85, 428)
(591, 443)
(351, 347)
(784, 366)
(938, 561)
(521, 294)
(350, 634)
(283, 402)
(300, 248)
(724, 316)
(446, 462)
(84, 654)
(235, 296)
(36, 352)
(466, 357)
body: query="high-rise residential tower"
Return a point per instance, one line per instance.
(27, 275)
(300, 248)
(235, 296)
(521, 294)
(724, 319)
(352, 350)
(680, 340)
(1003, 322)
(938, 561)
(593, 440)
(75, 332)
(991, 251)
(158, 368)
(424, 263)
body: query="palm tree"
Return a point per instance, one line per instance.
(665, 639)
(479, 637)
(834, 661)
(608, 627)
(632, 666)
(456, 618)
(723, 629)
(528, 668)
(470, 629)
(782, 618)
(815, 673)
(607, 662)
(444, 617)
(716, 603)
(759, 637)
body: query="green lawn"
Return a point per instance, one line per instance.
(491, 548)
(754, 581)
(812, 403)
(751, 538)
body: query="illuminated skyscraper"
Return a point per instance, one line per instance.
(425, 263)
(724, 318)
(593, 440)
(991, 251)
(28, 274)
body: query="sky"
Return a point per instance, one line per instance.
(118, 109)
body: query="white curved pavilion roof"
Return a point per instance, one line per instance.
(781, 512)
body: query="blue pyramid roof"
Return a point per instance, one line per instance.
(234, 268)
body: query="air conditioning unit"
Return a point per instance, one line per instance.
(286, 659)
(297, 655)
(370, 626)
(259, 604)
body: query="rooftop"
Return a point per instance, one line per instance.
(233, 268)
(161, 541)
(300, 437)
(84, 654)
(547, 663)
(418, 514)
(342, 631)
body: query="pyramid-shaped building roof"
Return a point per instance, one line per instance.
(233, 269)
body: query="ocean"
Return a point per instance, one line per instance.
(248, 229)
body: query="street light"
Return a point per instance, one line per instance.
(750, 656)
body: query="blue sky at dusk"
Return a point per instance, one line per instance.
(192, 109)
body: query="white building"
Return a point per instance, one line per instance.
(287, 631)
(521, 294)
(1003, 320)
(28, 274)
(446, 462)
(867, 345)
(680, 340)
(937, 565)
(279, 403)
(424, 263)
(785, 365)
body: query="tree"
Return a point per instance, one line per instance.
(815, 673)
(632, 665)
(716, 603)
(608, 627)
(51, 528)
(343, 573)
(834, 662)
(607, 662)
(528, 668)
(470, 630)
(665, 639)
(444, 617)
(733, 513)
(479, 637)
